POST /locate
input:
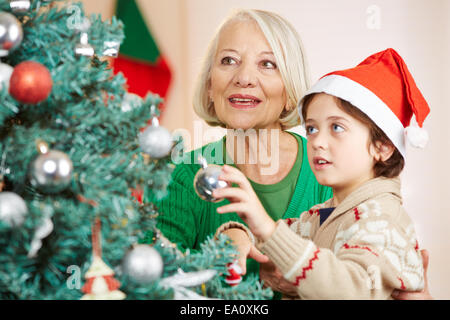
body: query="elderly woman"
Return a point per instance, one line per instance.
(252, 78)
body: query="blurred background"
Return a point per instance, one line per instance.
(336, 35)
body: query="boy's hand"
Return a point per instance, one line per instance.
(273, 278)
(245, 247)
(245, 203)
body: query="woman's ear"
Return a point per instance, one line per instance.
(210, 95)
(382, 151)
(208, 87)
(287, 106)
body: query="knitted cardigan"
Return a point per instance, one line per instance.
(365, 249)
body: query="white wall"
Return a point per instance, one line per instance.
(338, 34)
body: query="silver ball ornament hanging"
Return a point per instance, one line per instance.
(143, 264)
(51, 171)
(206, 180)
(155, 140)
(13, 209)
(11, 33)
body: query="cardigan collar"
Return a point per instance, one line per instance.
(366, 191)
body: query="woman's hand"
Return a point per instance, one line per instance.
(245, 203)
(417, 295)
(273, 278)
(245, 248)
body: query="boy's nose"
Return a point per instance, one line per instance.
(319, 141)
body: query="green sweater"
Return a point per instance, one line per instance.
(187, 220)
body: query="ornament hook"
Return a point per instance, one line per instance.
(203, 162)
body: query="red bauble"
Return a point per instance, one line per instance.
(30, 82)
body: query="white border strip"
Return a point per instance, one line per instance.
(300, 261)
(367, 102)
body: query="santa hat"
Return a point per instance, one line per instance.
(381, 87)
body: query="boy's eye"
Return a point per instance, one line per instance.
(310, 130)
(228, 60)
(337, 128)
(268, 64)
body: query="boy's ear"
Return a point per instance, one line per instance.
(383, 151)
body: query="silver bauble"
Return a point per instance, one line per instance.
(11, 33)
(143, 263)
(13, 209)
(5, 74)
(206, 180)
(156, 141)
(51, 172)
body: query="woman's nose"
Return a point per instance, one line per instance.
(245, 76)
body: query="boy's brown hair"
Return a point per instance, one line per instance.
(390, 168)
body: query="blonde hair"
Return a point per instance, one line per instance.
(290, 59)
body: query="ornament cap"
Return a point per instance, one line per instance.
(203, 162)
(42, 146)
(155, 121)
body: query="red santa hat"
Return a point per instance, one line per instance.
(382, 87)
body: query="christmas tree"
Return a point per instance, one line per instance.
(75, 151)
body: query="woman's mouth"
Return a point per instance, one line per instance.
(239, 101)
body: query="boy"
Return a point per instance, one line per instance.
(361, 243)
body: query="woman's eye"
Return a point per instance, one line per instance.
(310, 130)
(337, 128)
(268, 64)
(228, 60)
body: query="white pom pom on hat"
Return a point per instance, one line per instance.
(382, 87)
(417, 137)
